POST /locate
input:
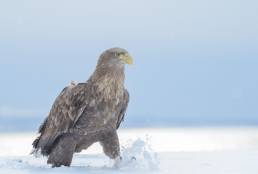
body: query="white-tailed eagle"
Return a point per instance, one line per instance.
(86, 113)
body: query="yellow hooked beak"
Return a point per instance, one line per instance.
(126, 58)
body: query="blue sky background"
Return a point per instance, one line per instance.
(196, 62)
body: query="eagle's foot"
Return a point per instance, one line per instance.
(117, 162)
(58, 163)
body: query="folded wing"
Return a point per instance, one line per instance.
(66, 110)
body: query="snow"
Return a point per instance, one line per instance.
(174, 150)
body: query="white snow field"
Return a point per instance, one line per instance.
(171, 151)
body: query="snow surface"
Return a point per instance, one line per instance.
(175, 151)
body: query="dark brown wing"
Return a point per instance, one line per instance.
(124, 105)
(64, 113)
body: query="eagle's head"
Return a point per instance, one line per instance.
(115, 58)
(108, 77)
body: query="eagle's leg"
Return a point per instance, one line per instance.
(110, 144)
(62, 153)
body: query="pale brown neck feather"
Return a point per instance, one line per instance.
(108, 81)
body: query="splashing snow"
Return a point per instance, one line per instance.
(138, 154)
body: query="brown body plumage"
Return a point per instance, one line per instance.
(86, 113)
